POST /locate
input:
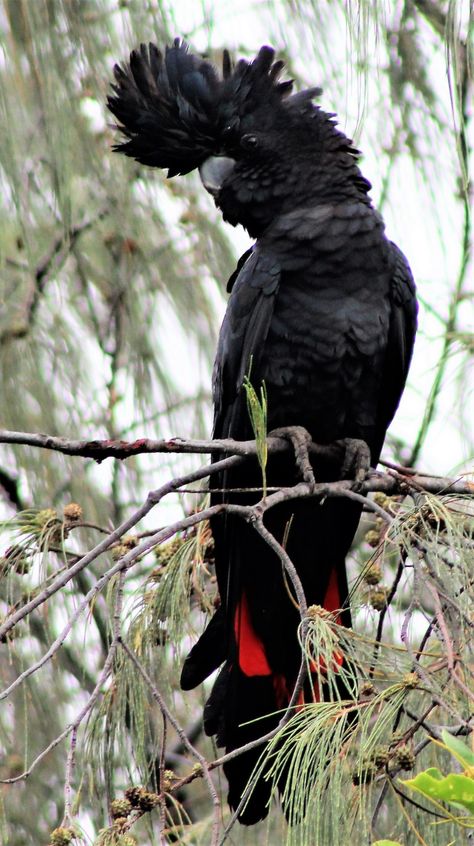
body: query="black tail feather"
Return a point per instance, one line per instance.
(207, 654)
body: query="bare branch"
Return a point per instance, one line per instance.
(395, 481)
(52, 261)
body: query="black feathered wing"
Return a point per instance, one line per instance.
(244, 690)
(241, 341)
(400, 343)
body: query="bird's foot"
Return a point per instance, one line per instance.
(356, 462)
(300, 439)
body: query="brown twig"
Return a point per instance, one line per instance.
(52, 261)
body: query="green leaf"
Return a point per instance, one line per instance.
(454, 789)
(459, 749)
(385, 843)
(257, 409)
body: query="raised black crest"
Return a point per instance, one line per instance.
(172, 107)
(166, 107)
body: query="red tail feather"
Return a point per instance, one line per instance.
(252, 657)
(332, 599)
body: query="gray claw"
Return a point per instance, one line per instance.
(356, 462)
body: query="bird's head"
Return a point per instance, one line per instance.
(257, 145)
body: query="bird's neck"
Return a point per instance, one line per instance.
(325, 185)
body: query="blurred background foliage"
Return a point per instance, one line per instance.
(112, 287)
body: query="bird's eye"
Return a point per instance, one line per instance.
(249, 142)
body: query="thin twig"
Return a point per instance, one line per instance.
(462, 89)
(70, 764)
(98, 690)
(54, 258)
(448, 643)
(383, 613)
(182, 736)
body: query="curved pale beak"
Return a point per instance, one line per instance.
(214, 171)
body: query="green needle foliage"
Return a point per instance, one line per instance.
(257, 409)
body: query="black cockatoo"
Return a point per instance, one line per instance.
(322, 310)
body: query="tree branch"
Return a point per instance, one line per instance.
(53, 260)
(397, 480)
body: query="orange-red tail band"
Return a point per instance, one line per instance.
(251, 651)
